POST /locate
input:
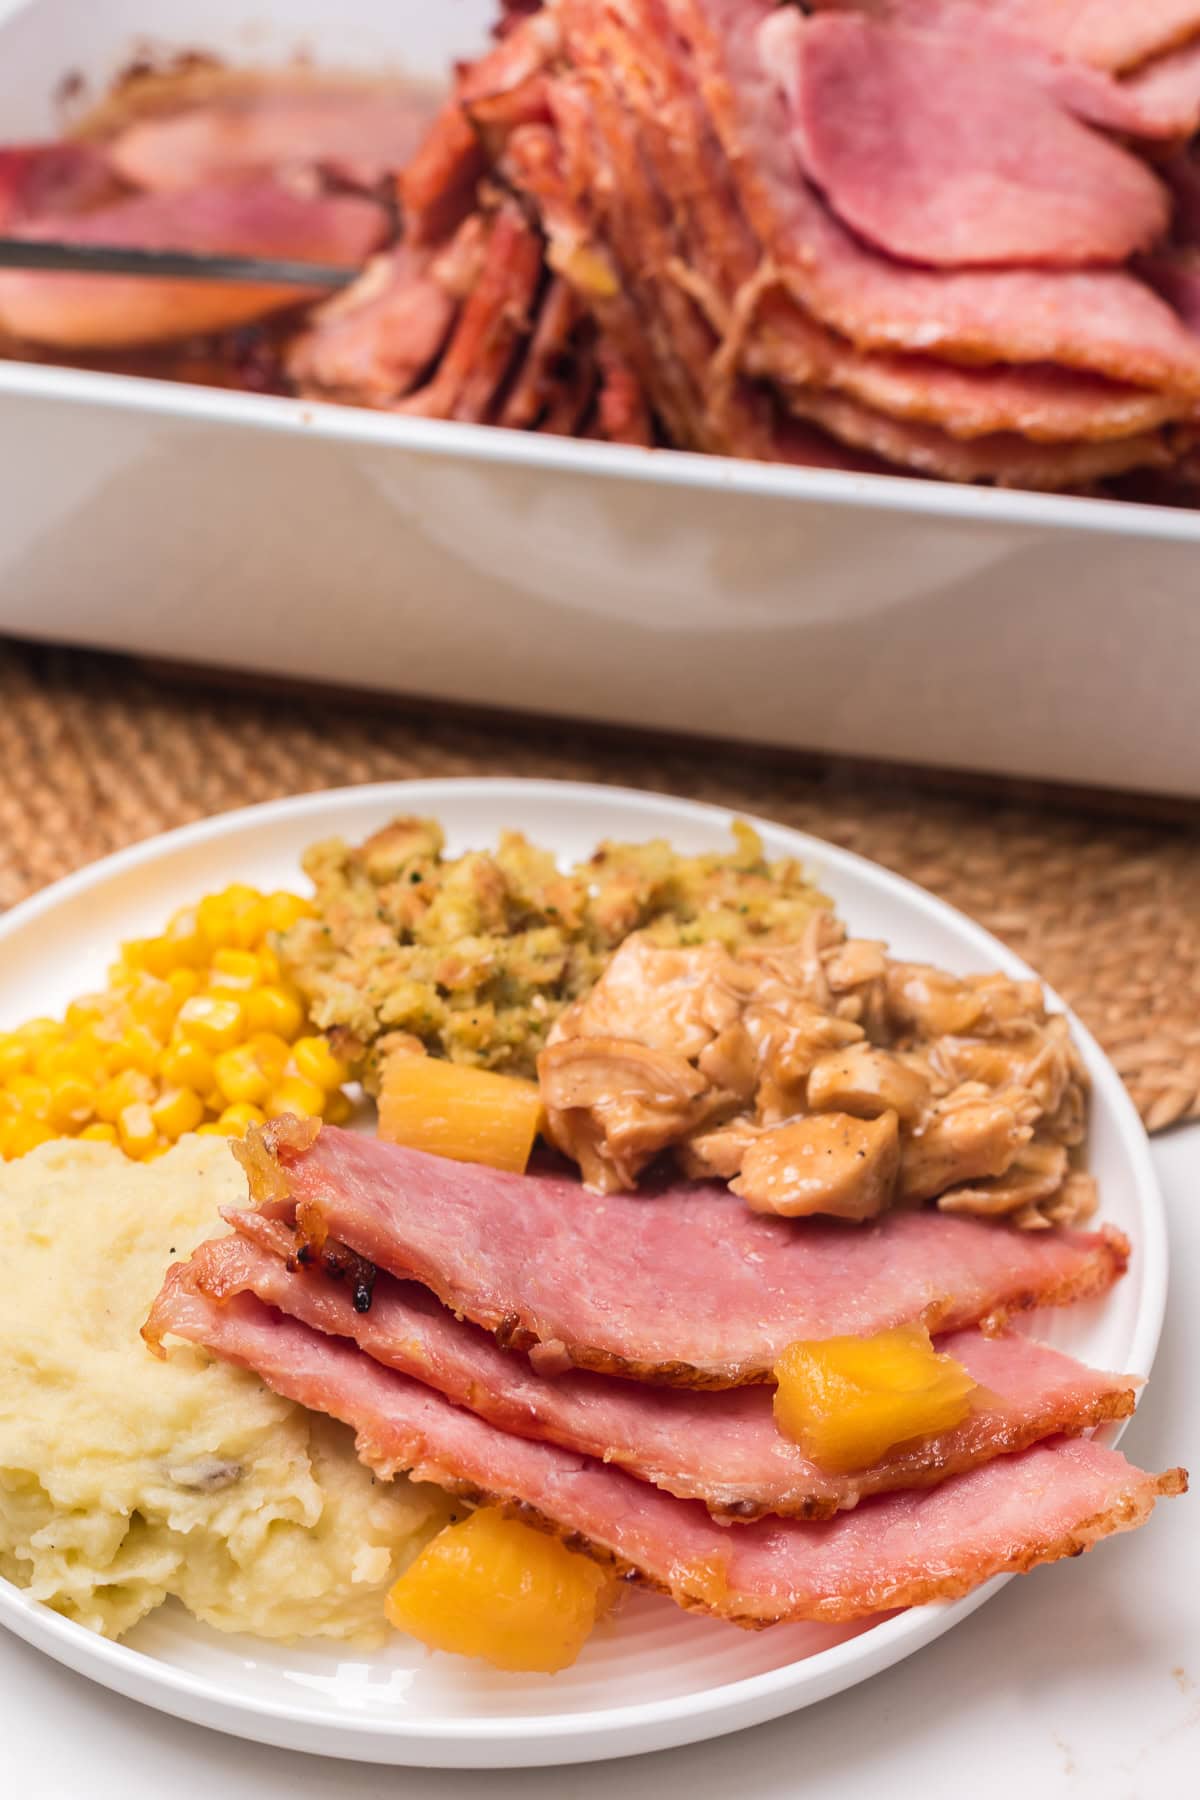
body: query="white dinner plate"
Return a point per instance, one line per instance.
(653, 1677)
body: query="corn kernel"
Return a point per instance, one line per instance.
(212, 1129)
(85, 1012)
(188, 948)
(217, 1023)
(14, 1056)
(72, 1103)
(317, 1063)
(50, 1061)
(237, 1119)
(295, 1095)
(273, 1008)
(235, 919)
(154, 1004)
(269, 966)
(129, 1088)
(337, 1107)
(176, 1111)
(87, 1056)
(36, 1032)
(32, 1094)
(136, 1048)
(240, 1076)
(99, 1132)
(283, 910)
(136, 1129)
(236, 968)
(23, 1134)
(271, 1052)
(183, 983)
(187, 1064)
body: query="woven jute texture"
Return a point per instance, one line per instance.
(96, 753)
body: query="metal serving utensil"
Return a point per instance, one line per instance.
(116, 259)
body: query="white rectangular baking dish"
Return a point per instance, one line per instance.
(971, 629)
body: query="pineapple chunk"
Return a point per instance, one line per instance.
(468, 1115)
(494, 1588)
(846, 1400)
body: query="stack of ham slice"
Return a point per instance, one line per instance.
(597, 1365)
(936, 235)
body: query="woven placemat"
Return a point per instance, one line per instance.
(96, 753)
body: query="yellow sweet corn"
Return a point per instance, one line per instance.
(197, 1030)
(177, 1110)
(276, 1009)
(317, 1063)
(240, 1076)
(72, 1103)
(237, 1120)
(136, 1129)
(295, 1095)
(31, 1094)
(21, 1134)
(216, 1022)
(99, 1133)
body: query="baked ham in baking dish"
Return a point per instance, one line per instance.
(683, 1285)
(941, 237)
(721, 1448)
(758, 212)
(901, 1549)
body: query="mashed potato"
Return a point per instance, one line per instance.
(124, 1479)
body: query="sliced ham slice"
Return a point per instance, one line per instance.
(494, 321)
(1107, 34)
(1168, 90)
(780, 342)
(374, 342)
(950, 156)
(685, 1285)
(897, 1550)
(546, 369)
(1157, 99)
(38, 179)
(720, 1448)
(1006, 460)
(357, 134)
(437, 188)
(258, 218)
(1177, 278)
(1103, 320)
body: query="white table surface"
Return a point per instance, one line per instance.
(1081, 1680)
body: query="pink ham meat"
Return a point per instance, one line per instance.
(643, 68)
(1168, 90)
(1107, 34)
(685, 1286)
(720, 1448)
(896, 1550)
(1103, 320)
(952, 157)
(373, 343)
(1157, 99)
(257, 218)
(437, 188)
(357, 135)
(37, 179)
